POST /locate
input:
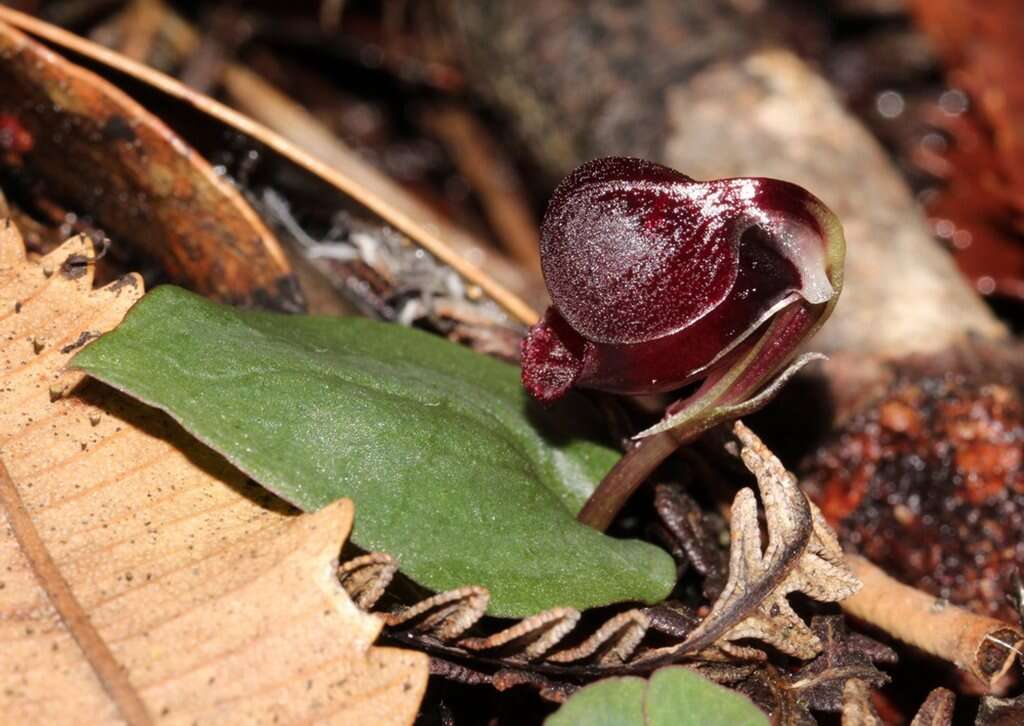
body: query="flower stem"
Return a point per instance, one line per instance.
(626, 476)
(730, 391)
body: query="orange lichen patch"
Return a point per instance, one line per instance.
(929, 484)
(899, 417)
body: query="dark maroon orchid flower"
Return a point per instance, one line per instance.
(655, 277)
(658, 281)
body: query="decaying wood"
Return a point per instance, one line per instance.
(143, 578)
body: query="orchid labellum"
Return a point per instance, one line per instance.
(659, 281)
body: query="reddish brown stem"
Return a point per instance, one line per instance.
(727, 393)
(626, 476)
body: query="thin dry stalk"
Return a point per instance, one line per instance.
(481, 161)
(983, 646)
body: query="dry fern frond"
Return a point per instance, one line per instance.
(802, 555)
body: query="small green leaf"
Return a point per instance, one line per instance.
(674, 696)
(611, 702)
(439, 447)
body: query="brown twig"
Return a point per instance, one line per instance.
(481, 161)
(141, 27)
(983, 646)
(227, 30)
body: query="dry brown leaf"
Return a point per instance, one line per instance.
(820, 683)
(142, 578)
(95, 150)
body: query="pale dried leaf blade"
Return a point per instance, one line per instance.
(208, 599)
(802, 555)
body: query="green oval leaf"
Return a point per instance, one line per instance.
(453, 469)
(674, 696)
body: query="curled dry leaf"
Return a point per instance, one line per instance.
(612, 643)
(503, 679)
(691, 539)
(143, 577)
(439, 622)
(802, 555)
(531, 637)
(98, 152)
(821, 685)
(554, 691)
(445, 616)
(365, 578)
